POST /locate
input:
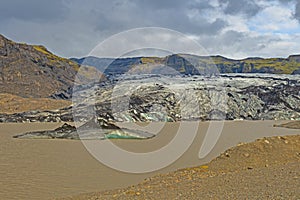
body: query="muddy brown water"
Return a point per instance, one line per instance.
(47, 169)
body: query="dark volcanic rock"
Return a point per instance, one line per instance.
(292, 125)
(295, 58)
(66, 131)
(93, 129)
(63, 94)
(296, 72)
(59, 115)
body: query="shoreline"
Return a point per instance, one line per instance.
(254, 170)
(54, 168)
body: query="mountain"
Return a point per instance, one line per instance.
(116, 66)
(192, 64)
(31, 71)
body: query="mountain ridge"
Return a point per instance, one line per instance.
(183, 63)
(32, 71)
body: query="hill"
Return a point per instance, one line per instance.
(33, 71)
(192, 64)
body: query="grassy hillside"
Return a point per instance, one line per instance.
(192, 64)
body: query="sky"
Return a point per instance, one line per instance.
(232, 28)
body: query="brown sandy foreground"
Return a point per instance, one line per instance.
(49, 169)
(14, 104)
(268, 168)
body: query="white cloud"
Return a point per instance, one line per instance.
(275, 18)
(234, 28)
(236, 23)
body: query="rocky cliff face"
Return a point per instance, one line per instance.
(33, 71)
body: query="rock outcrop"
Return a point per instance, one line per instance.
(291, 125)
(93, 129)
(296, 72)
(33, 71)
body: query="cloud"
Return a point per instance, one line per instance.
(240, 45)
(297, 11)
(168, 14)
(244, 7)
(161, 5)
(228, 27)
(275, 18)
(32, 10)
